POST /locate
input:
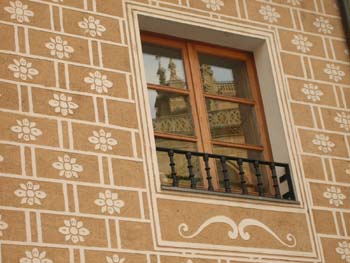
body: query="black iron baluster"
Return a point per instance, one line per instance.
(275, 181)
(224, 172)
(258, 177)
(242, 177)
(190, 170)
(207, 170)
(172, 166)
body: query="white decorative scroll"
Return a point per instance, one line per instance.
(236, 229)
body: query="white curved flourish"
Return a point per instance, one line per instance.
(232, 234)
(236, 229)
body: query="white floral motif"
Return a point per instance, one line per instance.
(59, 47)
(344, 120)
(102, 140)
(63, 104)
(115, 259)
(312, 92)
(214, 5)
(334, 72)
(344, 250)
(74, 230)
(334, 195)
(26, 130)
(302, 43)
(269, 13)
(67, 166)
(22, 69)
(92, 26)
(294, 2)
(323, 25)
(30, 193)
(109, 202)
(35, 256)
(19, 11)
(3, 226)
(323, 142)
(98, 82)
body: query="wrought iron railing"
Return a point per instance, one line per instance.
(281, 180)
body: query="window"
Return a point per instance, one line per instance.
(206, 108)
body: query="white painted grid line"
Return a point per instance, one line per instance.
(100, 54)
(100, 169)
(66, 74)
(26, 41)
(60, 133)
(61, 19)
(94, 9)
(91, 56)
(52, 21)
(82, 255)
(15, 28)
(55, 65)
(108, 233)
(23, 160)
(71, 255)
(19, 90)
(33, 164)
(336, 222)
(110, 171)
(30, 100)
(94, 101)
(28, 226)
(117, 231)
(142, 209)
(343, 223)
(38, 223)
(70, 135)
(76, 198)
(105, 110)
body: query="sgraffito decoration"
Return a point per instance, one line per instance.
(237, 230)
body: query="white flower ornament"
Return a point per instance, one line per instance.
(343, 249)
(312, 92)
(269, 13)
(30, 193)
(323, 142)
(323, 25)
(19, 11)
(115, 259)
(92, 26)
(74, 230)
(3, 226)
(22, 69)
(98, 82)
(59, 47)
(301, 43)
(26, 130)
(334, 72)
(102, 140)
(214, 5)
(63, 104)
(67, 166)
(109, 202)
(35, 256)
(344, 120)
(334, 195)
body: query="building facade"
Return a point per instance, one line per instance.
(81, 177)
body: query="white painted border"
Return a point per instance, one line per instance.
(149, 153)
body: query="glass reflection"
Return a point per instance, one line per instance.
(171, 112)
(164, 66)
(224, 77)
(232, 122)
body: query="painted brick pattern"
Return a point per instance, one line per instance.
(70, 134)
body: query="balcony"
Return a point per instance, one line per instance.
(278, 174)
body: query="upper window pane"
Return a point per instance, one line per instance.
(164, 66)
(224, 77)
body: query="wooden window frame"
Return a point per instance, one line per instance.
(190, 50)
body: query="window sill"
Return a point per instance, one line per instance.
(234, 195)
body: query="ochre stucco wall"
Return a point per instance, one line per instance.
(75, 177)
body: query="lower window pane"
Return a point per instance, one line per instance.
(181, 164)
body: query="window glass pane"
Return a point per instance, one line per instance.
(171, 112)
(181, 164)
(232, 122)
(164, 66)
(224, 77)
(233, 169)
